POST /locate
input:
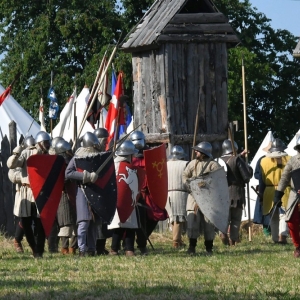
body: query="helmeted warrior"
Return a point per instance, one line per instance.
(15, 177)
(127, 229)
(102, 135)
(102, 233)
(290, 176)
(25, 206)
(271, 170)
(177, 194)
(86, 218)
(238, 174)
(195, 218)
(53, 144)
(149, 217)
(66, 213)
(53, 238)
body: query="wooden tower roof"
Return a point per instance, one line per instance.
(296, 52)
(193, 21)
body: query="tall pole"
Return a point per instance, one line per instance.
(196, 127)
(102, 77)
(246, 145)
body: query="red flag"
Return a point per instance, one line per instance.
(112, 115)
(5, 94)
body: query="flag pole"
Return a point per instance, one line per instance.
(99, 72)
(117, 129)
(196, 127)
(246, 146)
(51, 123)
(100, 83)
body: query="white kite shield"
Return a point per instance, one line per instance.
(210, 191)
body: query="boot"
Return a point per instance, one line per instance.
(181, 244)
(224, 239)
(72, 251)
(129, 253)
(90, 253)
(175, 245)
(18, 246)
(232, 243)
(64, 251)
(282, 239)
(192, 247)
(297, 252)
(209, 247)
(144, 251)
(81, 254)
(113, 252)
(100, 247)
(266, 230)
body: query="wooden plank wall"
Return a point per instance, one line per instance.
(169, 83)
(7, 189)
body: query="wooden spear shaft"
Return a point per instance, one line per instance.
(196, 128)
(246, 145)
(94, 98)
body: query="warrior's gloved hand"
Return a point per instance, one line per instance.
(89, 177)
(18, 150)
(277, 198)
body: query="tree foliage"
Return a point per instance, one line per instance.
(272, 75)
(69, 37)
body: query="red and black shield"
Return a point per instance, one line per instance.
(101, 195)
(129, 182)
(157, 175)
(46, 175)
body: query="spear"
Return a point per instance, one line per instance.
(96, 92)
(196, 127)
(246, 145)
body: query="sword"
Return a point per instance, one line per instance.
(258, 194)
(274, 209)
(142, 229)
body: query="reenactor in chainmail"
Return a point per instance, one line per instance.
(86, 218)
(177, 195)
(15, 177)
(25, 207)
(292, 216)
(102, 232)
(196, 221)
(53, 238)
(238, 174)
(66, 212)
(127, 229)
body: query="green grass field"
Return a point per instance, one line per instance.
(251, 270)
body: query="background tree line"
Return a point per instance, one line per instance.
(69, 37)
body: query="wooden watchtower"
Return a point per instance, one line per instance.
(179, 59)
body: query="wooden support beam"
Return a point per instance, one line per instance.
(199, 18)
(198, 28)
(205, 38)
(182, 139)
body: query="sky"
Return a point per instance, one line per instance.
(283, 13)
